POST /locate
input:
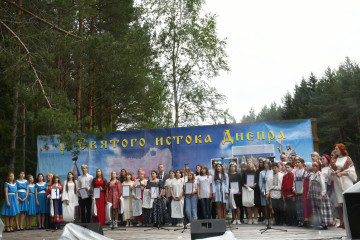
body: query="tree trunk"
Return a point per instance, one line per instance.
(14, 122)
(79, 79)
(91, 98)
(101, 110)
(110, 115)
(23, 136)
(16, 104)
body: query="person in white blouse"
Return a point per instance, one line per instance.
(343, 175)
(273, 191)
(85, 182)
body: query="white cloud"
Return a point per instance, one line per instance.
(299, 134)
(147, 162)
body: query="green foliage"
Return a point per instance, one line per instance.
(332, 99)
(191, 53)
(117, 77)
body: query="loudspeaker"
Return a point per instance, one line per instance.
(95, 227)
(352, 201)
(207, 228)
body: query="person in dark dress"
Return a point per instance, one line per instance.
(252, 211)
(157, 212)
(234, 176)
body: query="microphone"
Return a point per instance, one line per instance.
(187, 163)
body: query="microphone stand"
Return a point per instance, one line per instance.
(268, 226)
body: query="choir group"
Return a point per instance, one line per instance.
(291, 192)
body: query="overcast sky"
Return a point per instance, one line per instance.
(273, 44)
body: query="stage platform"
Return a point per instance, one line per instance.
(244, 231)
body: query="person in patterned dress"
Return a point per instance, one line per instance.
(156, 214)
(57, 218)
(319, 199)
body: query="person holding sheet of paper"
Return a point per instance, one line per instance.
(168, 196)
(220, 190)
(191, 193)
(273, 193)
(112, 195)
(85, 185)
(177, 204)
(250, 180)
(139, 185)
(262, 185)
(70, 198)
(128, 191)
(99, 183)
(156, 214)
(234, 186)
(55, 192)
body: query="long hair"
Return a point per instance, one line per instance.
(28, 178)
(112, 178)
(181, 174)
(217, 173)
(193, 177)
(67, 181)
(197, 174)
(49, 174)
(56, 176)
(206, 169)
(102, 176)
(342, 149)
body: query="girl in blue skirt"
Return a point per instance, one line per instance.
(23, 191)
(31, 202)
(11, 206)
(40, 200)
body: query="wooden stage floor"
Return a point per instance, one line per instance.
(244, 231)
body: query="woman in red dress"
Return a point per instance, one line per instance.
(100, 182)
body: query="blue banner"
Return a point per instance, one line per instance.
(174, 147)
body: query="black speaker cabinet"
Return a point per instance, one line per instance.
(95, 227)
(207, 228)
(352, 201)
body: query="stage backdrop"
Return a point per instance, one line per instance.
(176, 146)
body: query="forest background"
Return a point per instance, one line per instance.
(91, 67)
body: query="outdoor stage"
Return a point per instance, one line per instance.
(243, 232)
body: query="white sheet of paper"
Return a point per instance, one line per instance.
(126, 190)
(55, 193)
(96, 193)
(83, 193)
(250, 180)
(154, 192)
(188, 188)
(234, 187)
(138, 192)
